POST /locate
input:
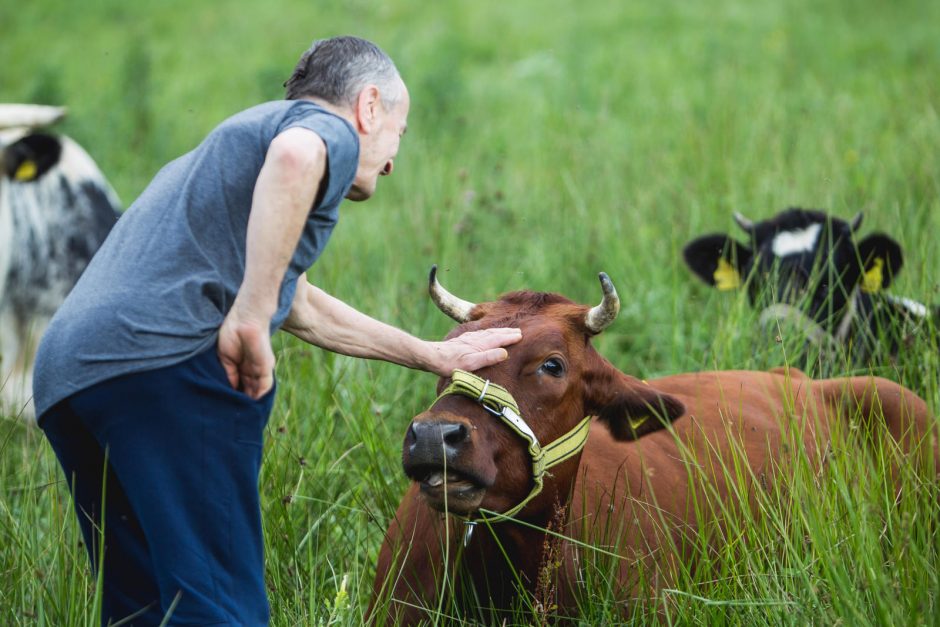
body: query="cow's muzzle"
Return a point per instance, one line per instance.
(432, 458)
(436, 440)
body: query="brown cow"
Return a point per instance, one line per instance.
(636, 486)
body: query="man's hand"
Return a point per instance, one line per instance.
(246, 354)
(473, 350)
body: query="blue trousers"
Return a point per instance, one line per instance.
(163, 469)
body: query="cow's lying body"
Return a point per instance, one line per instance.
(807, 268)
(56, 208)
(637, 489)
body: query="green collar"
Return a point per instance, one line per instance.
(498, 401)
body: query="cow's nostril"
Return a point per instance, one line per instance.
(427, 438)
(454, 434)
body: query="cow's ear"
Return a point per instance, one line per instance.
(629, 407)
(32, 156)
(718, 260)
(881, 260)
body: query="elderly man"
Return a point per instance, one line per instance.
(154, 380)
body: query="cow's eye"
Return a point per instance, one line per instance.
(553, 367)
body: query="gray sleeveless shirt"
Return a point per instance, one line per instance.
(156, 292)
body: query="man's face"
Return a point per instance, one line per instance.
(378, 147)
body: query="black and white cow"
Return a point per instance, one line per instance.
(808, 268)
(56, 208)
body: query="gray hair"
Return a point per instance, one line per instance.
(337, 69)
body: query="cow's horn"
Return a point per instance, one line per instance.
(29, 116)
(600, 317)
(856, 222)
(456, 308)
(743, 222)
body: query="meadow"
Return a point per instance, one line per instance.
(547, 141)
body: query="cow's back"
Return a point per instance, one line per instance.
(652, 498)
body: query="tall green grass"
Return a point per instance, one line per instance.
(547, 141)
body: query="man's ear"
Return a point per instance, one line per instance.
(881, 260)
(629, 407)
(367, 108)
(718, 260)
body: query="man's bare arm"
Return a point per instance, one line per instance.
(284, 193)
(327, 322)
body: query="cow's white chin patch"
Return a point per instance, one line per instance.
(451, 493)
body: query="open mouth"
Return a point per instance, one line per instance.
(449, 490)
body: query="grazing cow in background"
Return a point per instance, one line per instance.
(56, 208)
(807, 267)
(556, 438)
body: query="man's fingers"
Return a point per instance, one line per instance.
(248, 364)
(485, 358)
(256, 370)
(494, 356)
(256, 387)
(266, 386)
(476, 349)
(231, 371)
(492, 338)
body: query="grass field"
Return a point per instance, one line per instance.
(547, 141)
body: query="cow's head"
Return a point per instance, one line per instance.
(800, 257)
(24, 154)
(464, 458)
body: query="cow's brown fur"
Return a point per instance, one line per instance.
(635, 486)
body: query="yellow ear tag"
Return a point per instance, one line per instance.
(636, 423)
(26, 171)
(726, 276)
(874, 278)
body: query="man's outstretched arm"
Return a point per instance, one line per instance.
(327, 322)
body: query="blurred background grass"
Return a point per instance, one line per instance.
(547, 141)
